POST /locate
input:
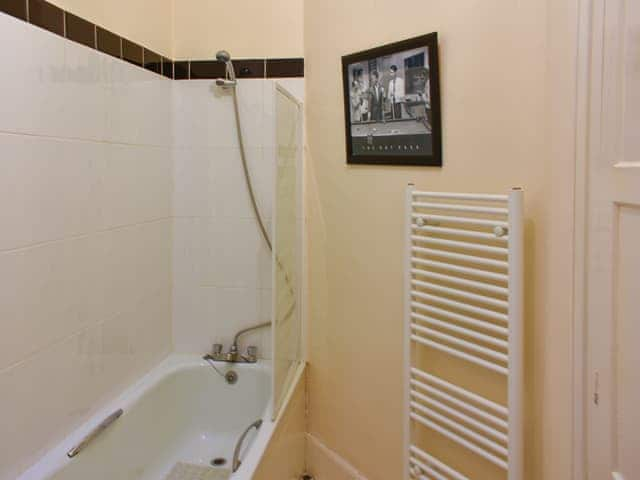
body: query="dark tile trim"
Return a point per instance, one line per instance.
(132, 52)
(285, 67)
(181, 70)
(152, 61)
(108, 42)
(206, 69)
(249, 68)
(167, 68)
(15, 8)
(79, 30)
(48, 16)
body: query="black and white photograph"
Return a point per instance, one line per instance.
(392, 104)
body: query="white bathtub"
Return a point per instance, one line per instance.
(182, 411)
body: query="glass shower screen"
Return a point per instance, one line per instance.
(287, 251)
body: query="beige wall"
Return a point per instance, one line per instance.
(198, 28)
(284, 458)
(507, 79)
(148, 22)
(246, 28)
(325, 464)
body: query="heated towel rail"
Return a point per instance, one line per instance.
(463, 320)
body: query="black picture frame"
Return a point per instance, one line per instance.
(394, 133)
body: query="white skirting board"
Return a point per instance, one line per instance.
(464, 301)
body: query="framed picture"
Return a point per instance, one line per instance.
(392, 104)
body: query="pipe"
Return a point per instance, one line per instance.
(250, 329)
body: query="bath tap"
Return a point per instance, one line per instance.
(233, 355)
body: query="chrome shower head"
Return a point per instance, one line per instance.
(223, 56)
(230, 76)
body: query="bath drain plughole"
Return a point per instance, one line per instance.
(218, 462)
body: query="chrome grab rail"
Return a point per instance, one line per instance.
(94, 433)
(235, 464)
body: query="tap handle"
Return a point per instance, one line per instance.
(217, 349)
(252, 352)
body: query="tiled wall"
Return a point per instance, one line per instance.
(222, 268)
(85, 233)
(97, 251)
(54, 19)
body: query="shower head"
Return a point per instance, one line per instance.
(223, 56)
(230, 74)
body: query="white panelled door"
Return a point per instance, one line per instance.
(613, 244)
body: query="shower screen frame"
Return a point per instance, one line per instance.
(282, 385)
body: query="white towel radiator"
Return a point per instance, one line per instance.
(464, 303)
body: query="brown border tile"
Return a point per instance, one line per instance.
(285, 67)
(47, 16)
(15, 8)
(79, 30)
(206, 69)
(252, 68)
(167, 68)
(108, 42)
(152, 61)
(132, 52)
(181, 70)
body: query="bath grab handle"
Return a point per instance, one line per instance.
(93, 434)
(235, 464)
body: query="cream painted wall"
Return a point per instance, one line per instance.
(199, 28)
(508, 76)
(148, 22)
(284, 457)
(246, 28)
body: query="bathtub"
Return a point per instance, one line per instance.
(181, 411)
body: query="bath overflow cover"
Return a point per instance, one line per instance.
(231, 377)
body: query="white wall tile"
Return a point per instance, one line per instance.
(85, 93)
(220, 252)
(222, 268)
(54, 391)
(203, 114)
(237, 255)
(47, 293)
(193, 188)
(139, 108)
(45, 397)
(135, 184)
(250, 94)
(136, 261)
(190, 251)
(231, 197)
(194, 318)
(210, 182)
(217, 314)
(33, 93)
(85, 233)
(48, 189)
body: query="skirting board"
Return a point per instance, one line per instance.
(325, 464)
